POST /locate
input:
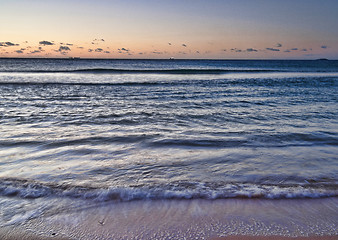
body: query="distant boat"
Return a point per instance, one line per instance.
(172, 58)
(322, 59)
(73, 58)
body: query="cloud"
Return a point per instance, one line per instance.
(90, 50)
(224, 50)
(123, 50)
(8, 44)
(198, 52)
(251, 50)
(287, 50)
(184, 45)
(278, 45)
(80, 47)
(304, 50)
(235, 50)
(19, 51)
(155, 52)
(98, 40)
(106, 51)
(273, 49)
(46, 43)
(169, 43)
(98, 50)
(35, 51)
(11, 44)
(323, 46)
(294, 49)
(64, 49)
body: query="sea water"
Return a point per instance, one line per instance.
(84, 131)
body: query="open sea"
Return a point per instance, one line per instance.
(82, 132)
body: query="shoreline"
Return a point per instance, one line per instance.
(226, 219)
(275, 238)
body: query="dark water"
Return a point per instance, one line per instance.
(101, 130)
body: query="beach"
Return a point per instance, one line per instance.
(169, 120)
(233, 219)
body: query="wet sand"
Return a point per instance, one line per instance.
(230, 219)
(276, 238)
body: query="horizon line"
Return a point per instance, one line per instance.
(170, 59)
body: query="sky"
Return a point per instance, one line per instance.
(187, 29)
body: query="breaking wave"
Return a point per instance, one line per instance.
(23, 188)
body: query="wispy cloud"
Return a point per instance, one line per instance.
(251, 50)
(97, 40)
(324, 46)
(272, 49)
(8, 44)
(46, 43)
(278, 45)
(64, 48)
(68, 44)
(236, 50)
(35, 51)
(184, 45)
(123, 50)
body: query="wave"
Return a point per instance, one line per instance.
(22, 188)
(145, 71)
(80, 141)
(58, 83)
(157, 141)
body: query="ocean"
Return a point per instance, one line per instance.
(80, 132)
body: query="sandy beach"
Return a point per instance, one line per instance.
(233, 219)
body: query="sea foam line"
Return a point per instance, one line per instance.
(33, 189)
